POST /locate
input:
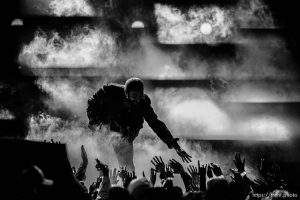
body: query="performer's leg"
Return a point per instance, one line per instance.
(124, 152)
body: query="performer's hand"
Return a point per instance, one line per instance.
(184, 156)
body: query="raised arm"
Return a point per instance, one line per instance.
(94, 108)
(161, 130)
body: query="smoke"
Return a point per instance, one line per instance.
(255, 58)
(176, 27)
(83, 47)
(253, 14)
(195, 114)
(263, 58)
(98, 145)
(153, 62)
(261, 92)
(71, 8)
(67, 96)
(58, 8)
(179, 27)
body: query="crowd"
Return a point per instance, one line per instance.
(201, 182)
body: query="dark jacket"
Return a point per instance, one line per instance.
(109, 106)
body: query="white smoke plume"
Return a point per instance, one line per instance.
(176, 27)
(71, 8)
(59, 8)
(255, 59)
(210, 24)
(195, 114)
(98, 145)
(83, 47)
(66, 95)
(253, 14)
(263, 92)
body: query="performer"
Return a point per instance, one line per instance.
(123, 109)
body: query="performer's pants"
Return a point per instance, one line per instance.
(124, 152)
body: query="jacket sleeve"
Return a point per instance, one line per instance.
(94, 107)
(157, 125)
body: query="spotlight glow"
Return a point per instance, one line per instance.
(17, 22)
(206, 28)
(137, 24)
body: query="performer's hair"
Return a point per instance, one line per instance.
(134, 84)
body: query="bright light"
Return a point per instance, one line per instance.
(137, 24)
(17, 22)
(178, 27)
(206, 28)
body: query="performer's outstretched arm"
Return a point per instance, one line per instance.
(162, 131)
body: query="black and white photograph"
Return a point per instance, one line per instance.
(150, 100)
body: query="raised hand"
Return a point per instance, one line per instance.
(259, 186)
(158, 164)
(276, 170)
(84, 154)
(102, 167)
(262, 167)
(168, 172)
(122, 172)
(194, 174)
(237, 177)
(239, 164)
(209, 172)
(129, 176)
(202, 174)
(216, 169)
(201, 169)
(93, 187)
(113, 176)
(176, 166)
(192, 187)
(153, 174)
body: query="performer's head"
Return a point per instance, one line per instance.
(134, 89)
